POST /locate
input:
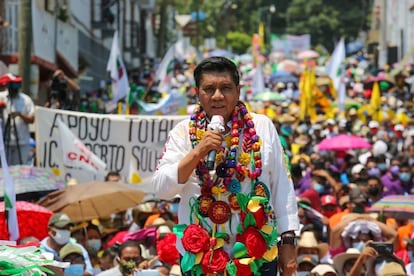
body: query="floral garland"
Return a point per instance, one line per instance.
(256, 234)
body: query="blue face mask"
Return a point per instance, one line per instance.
(382, 166)
(358, 245)
(74, 270)
(405, 176)
(411, 256)
(319, 187)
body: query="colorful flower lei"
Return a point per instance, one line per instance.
(256, 234)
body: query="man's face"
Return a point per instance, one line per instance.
(218, 94)
(130, 254)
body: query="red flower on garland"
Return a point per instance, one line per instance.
(260, 217)
(215, 263)
(254, 242)
(167, 249)
(242, 269)
(195, 239)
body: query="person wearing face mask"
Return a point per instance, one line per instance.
(374, 189)
(329, 206)
(93, 238)
(129, 260)
(406, 178)
(59, 235)
(72, 254)
(308, 245)
(17, 112)
(392, 182)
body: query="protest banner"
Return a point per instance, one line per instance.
(117, 140)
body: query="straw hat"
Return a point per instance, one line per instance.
(308, 240)
(340, 259)
(392, 269)
(302, 140)
(286, 118)
(322, 269)
(393, 266)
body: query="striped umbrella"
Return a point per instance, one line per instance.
(398, 206)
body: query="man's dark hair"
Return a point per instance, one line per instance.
(126, 244)
(111, 252)
(112, 173)
(373, 177)
(216, 64)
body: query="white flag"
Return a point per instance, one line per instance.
(258, 84)
(119, 76)
(336, 70)
(76, 154)
(9, 195)
(165, 70)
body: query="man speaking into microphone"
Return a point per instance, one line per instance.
(237, 213)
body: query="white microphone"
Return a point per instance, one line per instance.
(216, 123)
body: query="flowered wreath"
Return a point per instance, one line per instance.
(256, 234)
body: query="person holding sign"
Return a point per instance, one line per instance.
(239, 217)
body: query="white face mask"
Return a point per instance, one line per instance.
(94, 244)
(62, 236)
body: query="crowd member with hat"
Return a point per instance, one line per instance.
(59, 235)
(329, 129)
(17, 112)
(345, 208)
(379, 264)
(72, 253)
(344, 262)
(329, 206)
(306, 263)
(407, 254)
(323, 270)
(309, 245)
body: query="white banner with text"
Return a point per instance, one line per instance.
(129, 144)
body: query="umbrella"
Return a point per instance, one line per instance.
(399, 206)
(32, 220)
(383, 83)
(343, 142)
(308, 54)
(28, 180)
(91, 200)
(283, 76)
(288, 65)
(269, 96)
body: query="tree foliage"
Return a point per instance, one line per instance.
(325, 20)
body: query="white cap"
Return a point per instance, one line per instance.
(342, 123)
(373, 124)
(357, 168)
(316, 127)
(399, 127)
(330, 122)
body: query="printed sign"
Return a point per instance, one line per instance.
(127, 144)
